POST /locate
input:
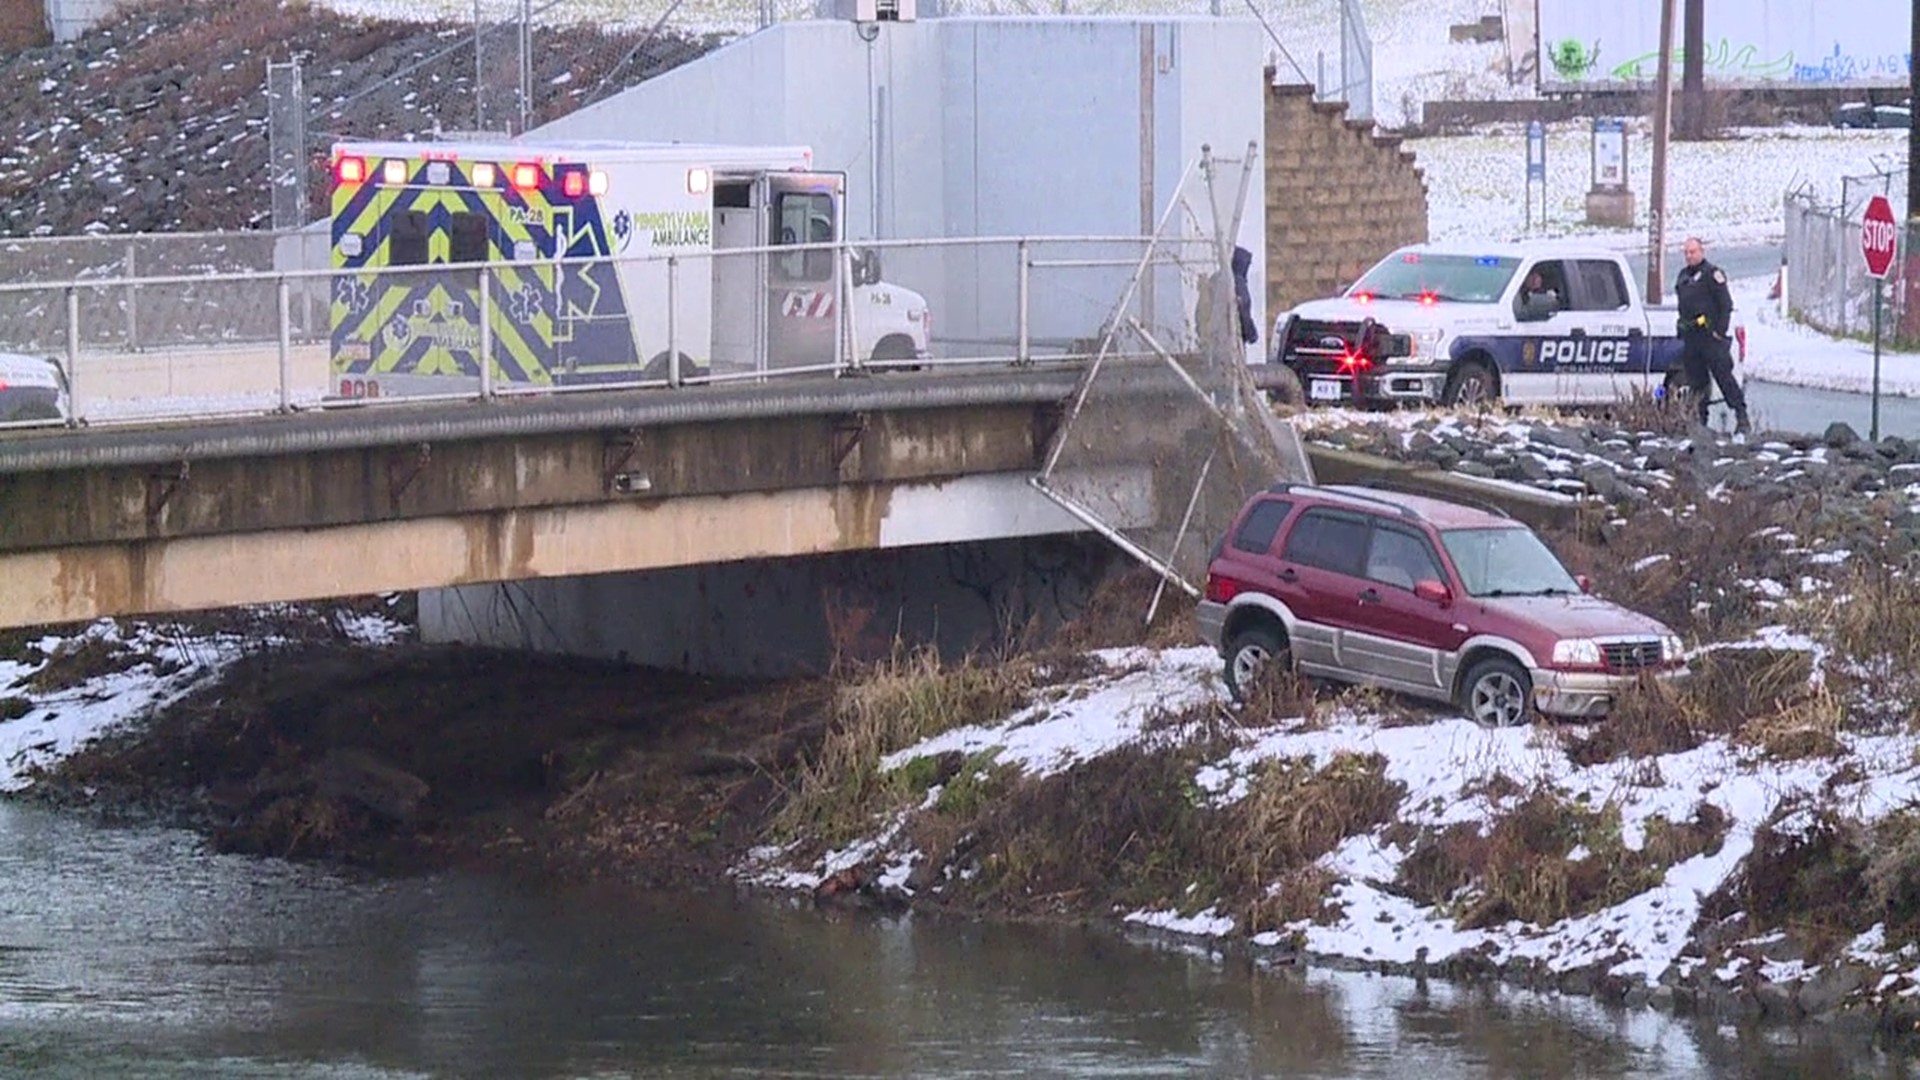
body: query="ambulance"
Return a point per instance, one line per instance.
(582, 233)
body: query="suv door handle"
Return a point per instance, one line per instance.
(1289, 575)
(1370, 596)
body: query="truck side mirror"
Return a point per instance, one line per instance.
(866, 267)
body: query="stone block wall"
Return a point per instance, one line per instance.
(1340, 196)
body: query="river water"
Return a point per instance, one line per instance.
(130, 952)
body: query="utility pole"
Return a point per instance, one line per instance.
(1662, 134)
(1913, 134)
(1693, 73)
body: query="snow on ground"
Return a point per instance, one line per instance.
(1447, 765)
(1726, 191)
(1782, 351)
(165, 663)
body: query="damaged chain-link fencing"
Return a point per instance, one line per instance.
(1166, 434)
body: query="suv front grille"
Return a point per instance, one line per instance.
(1632, 655)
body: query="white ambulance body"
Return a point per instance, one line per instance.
(587, 229)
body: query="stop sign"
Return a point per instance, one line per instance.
(1878, 236)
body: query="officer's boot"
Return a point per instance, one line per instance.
(1741, 426)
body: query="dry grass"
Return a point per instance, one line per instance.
(78, 660)
(1293, 814)
(1520, 868)
(891, 706)
(1808, 876)
(1692, 563)
(1116, 614)
(1131, 829)
(1731, 690)
(1872, 617)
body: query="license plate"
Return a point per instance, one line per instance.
(1325, 390)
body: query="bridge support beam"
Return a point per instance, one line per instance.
(190, 573)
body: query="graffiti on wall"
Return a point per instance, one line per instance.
(1575, 61)
(1790, 42)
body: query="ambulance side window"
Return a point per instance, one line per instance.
(806, 219)
(469, 238)
(407, 245)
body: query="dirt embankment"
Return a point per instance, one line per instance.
(157, 121)
(413, 757)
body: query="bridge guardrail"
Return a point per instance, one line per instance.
(237, 343)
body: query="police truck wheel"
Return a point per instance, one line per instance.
(1472, 383)
(891, 350)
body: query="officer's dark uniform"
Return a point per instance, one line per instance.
(1706, 317)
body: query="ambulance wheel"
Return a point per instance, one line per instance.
(1472, 383)
(891, 351)
(657, 369)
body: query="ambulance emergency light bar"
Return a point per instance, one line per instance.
(525, 176)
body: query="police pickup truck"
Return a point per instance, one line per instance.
(1526, 324)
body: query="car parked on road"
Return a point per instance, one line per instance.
(31, 388)
(1425, 597)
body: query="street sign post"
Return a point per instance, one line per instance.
(1879, 237)
(1536, 170)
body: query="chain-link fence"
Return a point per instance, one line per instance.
(1826, 275)
(1165, 438)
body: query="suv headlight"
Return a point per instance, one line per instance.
(1426, 348)
(1672, 649)
(1576, 652)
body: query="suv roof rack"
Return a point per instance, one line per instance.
(1336, 494)
(1481, 505)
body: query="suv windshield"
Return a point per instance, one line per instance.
(1466, 279)
(1506, 562)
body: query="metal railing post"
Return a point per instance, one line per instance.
(486, 334)
(286, 345)
(673, 327)
(845, 357)
(846, 318)
(133, 302)
(1024, 354)
(73, 355)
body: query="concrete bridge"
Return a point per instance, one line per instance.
(419, 497)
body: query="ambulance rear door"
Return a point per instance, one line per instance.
(803, 287)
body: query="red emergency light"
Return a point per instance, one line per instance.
(526, 177)
(574, 184)
(1428, 299)
(350, 170)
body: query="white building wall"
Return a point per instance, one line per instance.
(979, 127)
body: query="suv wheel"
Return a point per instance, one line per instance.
(1471, 384)
(1496, 693)
(1250, 651)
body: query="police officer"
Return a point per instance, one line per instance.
(1706, 317)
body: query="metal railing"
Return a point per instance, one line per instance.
(216, 345)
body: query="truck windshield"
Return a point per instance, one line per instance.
(1506, 562)
(1464, 279)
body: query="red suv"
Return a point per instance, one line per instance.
(1421, 596)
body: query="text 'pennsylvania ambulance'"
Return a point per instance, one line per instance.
(588, 229)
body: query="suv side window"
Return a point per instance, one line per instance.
(1329, 540)
(1263, 522)
(1401, 558)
